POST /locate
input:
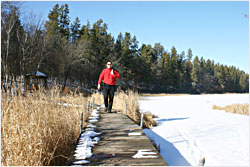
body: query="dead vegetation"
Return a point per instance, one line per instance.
(235, 108)
(129, 101)
(39, 128)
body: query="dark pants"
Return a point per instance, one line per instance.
(108, 93)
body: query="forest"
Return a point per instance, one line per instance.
(70, 53)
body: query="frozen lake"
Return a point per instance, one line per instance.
(189, 128)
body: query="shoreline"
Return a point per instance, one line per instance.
(182, 94)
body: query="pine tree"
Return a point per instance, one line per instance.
(195, 74)
(52, 25)
(146, 57)
(187, 71)
(85, 31)
(209, 76)
(166, 72)
(174, 73)
(180, 71)
(75, 30)
(64, 21)
(156, 67)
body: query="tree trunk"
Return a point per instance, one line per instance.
(66, 77)
(6, 57)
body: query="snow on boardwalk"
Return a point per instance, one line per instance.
(122, 143)
(189, 128)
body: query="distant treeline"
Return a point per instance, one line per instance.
(72, 52)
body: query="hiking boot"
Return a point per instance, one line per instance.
(109, 111)
(106, 109)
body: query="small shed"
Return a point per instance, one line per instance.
(36, 78)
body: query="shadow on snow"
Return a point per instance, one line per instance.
(160, 121)
(167, 150)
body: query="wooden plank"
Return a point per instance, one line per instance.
(117, 148)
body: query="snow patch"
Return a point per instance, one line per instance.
(135, 134)
(87, 140)
(145, 153)
(78, 163)
(93, 120)
(90, 133)
(91, 126)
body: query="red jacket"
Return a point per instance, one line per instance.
(108, 77)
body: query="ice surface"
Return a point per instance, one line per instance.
(189, 128)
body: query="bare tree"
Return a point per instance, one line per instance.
(29, 36)
(10, 15)
(42, 54)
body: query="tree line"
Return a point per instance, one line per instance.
(69, 51)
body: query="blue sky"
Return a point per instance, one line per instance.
(215, 30)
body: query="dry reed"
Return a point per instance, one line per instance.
(131, 99)
(235, 108)
(39, 129)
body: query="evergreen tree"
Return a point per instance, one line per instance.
(85, 31)
(187, 71)
(52, 25)
(166, 72)
(195, 75)
(64, 21)
(75, 30)
(174, 73)
(208, 76)
(156, 66)
(146, 57)
(81, 52)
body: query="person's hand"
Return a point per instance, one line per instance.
(99, 87)
(112, 72)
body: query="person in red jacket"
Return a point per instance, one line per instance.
(109, 75)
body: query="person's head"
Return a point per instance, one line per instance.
(109, 64)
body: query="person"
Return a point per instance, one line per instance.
(109, 75)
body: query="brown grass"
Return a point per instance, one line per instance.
(235, 108)
(37, 129)
(132, 100)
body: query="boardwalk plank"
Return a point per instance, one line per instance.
(116, 147)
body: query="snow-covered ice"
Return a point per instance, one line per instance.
(188, 128)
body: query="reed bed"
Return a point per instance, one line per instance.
(128, 100)
(39, 128)
(235, 108)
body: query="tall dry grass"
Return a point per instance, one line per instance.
(133, 109)
(235, 108)
(39, 129)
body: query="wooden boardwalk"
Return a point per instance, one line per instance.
(121, 142)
